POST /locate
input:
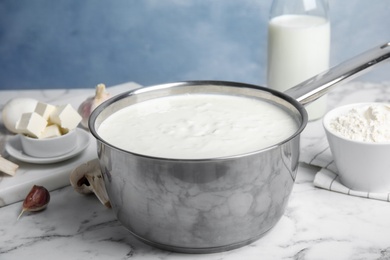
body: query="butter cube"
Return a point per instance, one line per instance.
(45, 110)
(51, 131)
(66, 117)
(31, 124)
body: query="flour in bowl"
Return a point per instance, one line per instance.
(367, 123)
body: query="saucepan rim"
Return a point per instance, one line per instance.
(298, 106)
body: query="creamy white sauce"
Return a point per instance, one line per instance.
(197, 126)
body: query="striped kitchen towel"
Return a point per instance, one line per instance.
(316, 152)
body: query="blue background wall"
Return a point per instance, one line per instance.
(72, 44)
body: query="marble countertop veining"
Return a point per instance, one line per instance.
(317, 224)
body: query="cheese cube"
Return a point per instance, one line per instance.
(45, 110)
(51, 131)
(31, 124)
(66, 117)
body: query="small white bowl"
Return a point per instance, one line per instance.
(362, 166)
(49, 147)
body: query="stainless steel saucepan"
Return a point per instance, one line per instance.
(212, 205)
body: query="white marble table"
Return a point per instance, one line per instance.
(317, 224)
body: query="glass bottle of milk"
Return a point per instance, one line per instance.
(298, 46)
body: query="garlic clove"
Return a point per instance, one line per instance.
(37, 199)
(85, 109)
(87, 178)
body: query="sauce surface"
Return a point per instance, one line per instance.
(197, 126)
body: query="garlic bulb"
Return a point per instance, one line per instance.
(14, 109)
(86, 108)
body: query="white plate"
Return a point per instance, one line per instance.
(14, 148)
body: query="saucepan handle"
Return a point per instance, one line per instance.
(317, 86)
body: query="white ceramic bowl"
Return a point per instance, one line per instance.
(49, 147)
(362, 166)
